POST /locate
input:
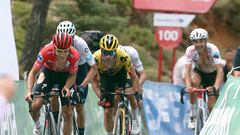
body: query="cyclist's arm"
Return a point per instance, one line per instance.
(135, 81)
(142, 77)
(92, 72)
(187, 73)
(31, 79)
(70, 80)
(219, 77)
(96, 86)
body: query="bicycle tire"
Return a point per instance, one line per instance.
(119, 122)
(60, 125)
(128, 123)
(49, 125)
(75, 125)
(199, 122)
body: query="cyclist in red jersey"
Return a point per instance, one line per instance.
(57, 64)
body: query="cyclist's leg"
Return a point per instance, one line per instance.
(133, 102)
(67, 110)
(132, 98)
(209, 80)
(107, 84)
(196, 82)
(81, 74)
(43, 84)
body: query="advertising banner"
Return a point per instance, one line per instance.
(8, 54)
(164, 114)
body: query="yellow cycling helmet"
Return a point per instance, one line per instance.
(109, 42)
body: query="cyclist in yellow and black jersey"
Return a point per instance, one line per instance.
(121, 60)
(113, 66)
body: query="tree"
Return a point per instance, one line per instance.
(34, 32)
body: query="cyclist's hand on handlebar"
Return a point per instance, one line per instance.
(81, 88)
(189, 89)
(137, 95)
(66, 92)
(28, 97)
(210, 89)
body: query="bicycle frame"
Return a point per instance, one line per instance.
(74, 118)
(123, 116)
(49, 119)
(202, 110)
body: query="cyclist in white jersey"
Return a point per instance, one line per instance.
(83, 75)
(208, 70)
(137, 63)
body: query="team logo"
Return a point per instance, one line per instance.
(195, 57)
(40, 57)
(216, 55)
(86, 50)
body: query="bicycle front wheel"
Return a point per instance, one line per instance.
(119, 122)
(128, 123)
(75, 126)
(200, 121)
(50, 125)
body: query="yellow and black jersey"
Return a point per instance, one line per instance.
(122, 60)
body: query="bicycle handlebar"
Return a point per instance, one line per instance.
(196, 90)
(121, 93)
(45, 96)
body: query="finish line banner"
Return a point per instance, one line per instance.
(163, 112)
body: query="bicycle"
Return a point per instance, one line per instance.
(75, 130)
(202, 109)
(49, 122)
(123, 117)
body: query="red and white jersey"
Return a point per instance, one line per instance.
(47, 57)
(204, 64)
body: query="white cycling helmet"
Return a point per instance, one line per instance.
(198, 33)
(67, 27)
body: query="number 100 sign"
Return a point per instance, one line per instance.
(168, 37)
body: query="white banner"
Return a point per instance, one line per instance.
(172, 20)
(8, 54)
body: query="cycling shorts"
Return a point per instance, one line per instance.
(110, 83)
(81, 74)
(207, 79)
(53, 78)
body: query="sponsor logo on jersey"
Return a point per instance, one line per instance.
(68, 64)
(89, 57)
(40, 57)
(86, 50)
(216, 55)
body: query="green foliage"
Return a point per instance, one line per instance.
(104, 23)
(141, 36)
(229, 12)
(21, 12)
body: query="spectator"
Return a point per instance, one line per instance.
(7, 90)
(178, 72)
(228, 56)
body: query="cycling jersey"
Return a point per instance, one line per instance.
(82, 47)
(206, 65)
(122, 60)
(135, 59)
(47, 57)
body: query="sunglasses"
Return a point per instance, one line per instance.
(108, 53)
(61, 50)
